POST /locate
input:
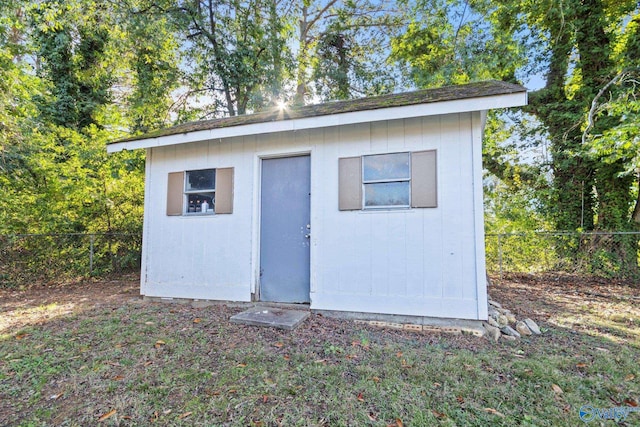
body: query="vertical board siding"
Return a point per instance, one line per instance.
(413, 261)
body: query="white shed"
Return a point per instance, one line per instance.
(371, 205)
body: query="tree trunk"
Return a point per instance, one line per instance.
(303, 57)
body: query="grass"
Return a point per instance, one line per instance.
(133, 363)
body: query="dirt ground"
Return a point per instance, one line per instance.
(533, 296)
(19, 308)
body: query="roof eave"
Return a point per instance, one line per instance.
(508, 100)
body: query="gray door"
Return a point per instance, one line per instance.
(285, 229)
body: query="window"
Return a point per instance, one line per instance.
(200, 192)
(385, 181)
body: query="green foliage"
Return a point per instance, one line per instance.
(55, 175)
(348, 50)
(238, 52)
(447, 42)
(586, 111)
(70, 40)
(152, 47)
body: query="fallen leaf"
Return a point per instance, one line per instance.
(126, 417)
(167, 411)
(556, 388)
(404, 364)
(437, 414)
(148, 363)
(376, 379)
(399, 354)
(257, 423)
(113, 363)
(360, 397)
(233, 390)
(286, 357)
(321, 361)
(460, 399)
(354, 343)
(148, 323)
(631, 402)
(118, 378)
(581, 365)
(197, 320)
(185, 415)
(436, 385)
(241, 365)
(351, 356)
(279, 344)
(160, 342)
(494, 412)
(21, 336)
(265, 398)
(399, 422)
(629, 377)
(55, 396)
(107, 415)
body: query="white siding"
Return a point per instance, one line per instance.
(413, 261)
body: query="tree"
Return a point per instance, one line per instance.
(239, 56)
(588, 52)
(343, 49)
(153, 48)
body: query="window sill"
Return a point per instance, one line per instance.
(398, 209)
(198, 214)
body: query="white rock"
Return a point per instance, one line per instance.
(533, 326)
(492, 332)
(491, 321)
(502, 320)
(495, 303)
(508, 330)
(523, 329)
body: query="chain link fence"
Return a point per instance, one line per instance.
(31, 258)
(605, 254)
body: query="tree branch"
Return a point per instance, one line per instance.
(594, 103)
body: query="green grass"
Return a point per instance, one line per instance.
(152, 363)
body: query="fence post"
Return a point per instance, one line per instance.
(500, 254)
(91, 240)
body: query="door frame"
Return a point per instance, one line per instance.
(257, 213)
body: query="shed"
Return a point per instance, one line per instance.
(372, 205)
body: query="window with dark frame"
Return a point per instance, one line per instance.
(200, 191)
